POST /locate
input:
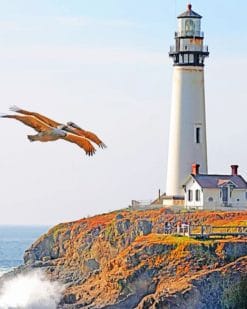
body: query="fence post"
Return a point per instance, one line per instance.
(202, 230)
(189, 230)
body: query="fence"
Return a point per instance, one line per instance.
(188, 47)
(207, 231)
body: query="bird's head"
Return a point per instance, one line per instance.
(66, 128)
(62, 127)
(73, 125)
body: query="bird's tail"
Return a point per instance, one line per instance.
(14, 108)
(2, 115)
(32, 138)
(102, 145)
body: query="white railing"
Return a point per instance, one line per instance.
(189, 47)
(141, 203)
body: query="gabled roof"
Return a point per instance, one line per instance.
(189, 13)
(225, 182)
(218, 181)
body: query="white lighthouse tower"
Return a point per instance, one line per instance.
(187, 140)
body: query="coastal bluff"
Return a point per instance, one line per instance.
(124, 259)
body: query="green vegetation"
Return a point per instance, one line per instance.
(56, 230)
(235, 296)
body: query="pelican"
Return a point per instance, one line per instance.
(47, 136)
(48, 133)
(93, 137)
(69, 127)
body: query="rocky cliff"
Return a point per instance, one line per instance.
(124, 260)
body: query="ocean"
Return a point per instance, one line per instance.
(30, 290)
(14, 240)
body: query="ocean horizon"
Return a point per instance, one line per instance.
(14, 240)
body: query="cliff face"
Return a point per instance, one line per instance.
(123, 260)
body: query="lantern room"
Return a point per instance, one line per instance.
(189, 48)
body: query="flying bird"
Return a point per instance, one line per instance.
(48, 133)
(93, 137)
(69, 127)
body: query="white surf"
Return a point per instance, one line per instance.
(30, 291)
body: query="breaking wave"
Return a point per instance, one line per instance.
(30, 291)
(4, 271)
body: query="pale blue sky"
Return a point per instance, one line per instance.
(104, 64)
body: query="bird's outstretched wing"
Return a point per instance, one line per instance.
(30, 121)
(43, 118)
(81, 142)
(89, 135)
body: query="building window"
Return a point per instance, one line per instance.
(210, 199)
(190, 195)
(198, 195)
(224, 194)
(246, 195)
(198, 135)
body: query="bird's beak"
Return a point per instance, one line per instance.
(68, 129)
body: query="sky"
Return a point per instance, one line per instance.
(105, 65)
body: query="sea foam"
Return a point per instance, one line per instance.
(30, 291)
(3, 271)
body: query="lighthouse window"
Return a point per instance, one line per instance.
(198, 135)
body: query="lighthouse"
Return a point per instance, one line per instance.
(187, 139)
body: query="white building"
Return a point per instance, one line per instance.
(215, 192)
(187, 140)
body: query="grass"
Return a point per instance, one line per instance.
(167, 239)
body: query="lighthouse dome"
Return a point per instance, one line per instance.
(189, 13)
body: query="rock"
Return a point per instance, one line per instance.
(122, 226)
(41, 248)
(92, 264)
(124, 261)
(69, 299)
(232, 251)
(119, 216)
(144, 227)
(46, 258)
(54, 252)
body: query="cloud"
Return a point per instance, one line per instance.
(10, 26)
(81, 21)
(84, 55)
